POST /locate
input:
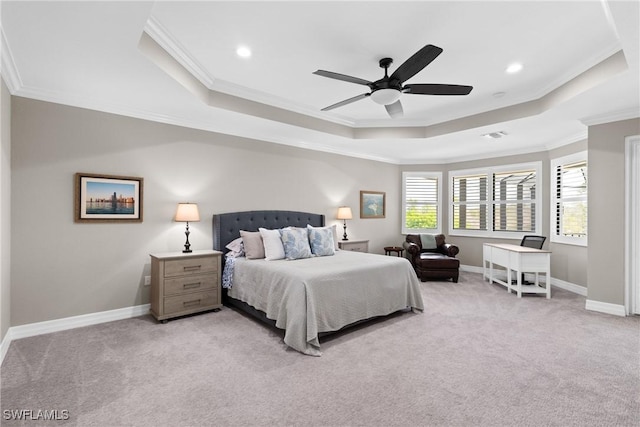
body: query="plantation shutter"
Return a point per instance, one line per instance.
(421, 202)
(470, 202)
(514, 201)
(571, 200)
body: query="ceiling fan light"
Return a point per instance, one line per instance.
(385, 96)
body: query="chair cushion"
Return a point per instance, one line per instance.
(437, 261)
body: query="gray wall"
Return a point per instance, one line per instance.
(5, 209)
(606, 217)
(60, 268)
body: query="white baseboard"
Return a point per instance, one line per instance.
(4, 345)
(605, 307)
(470, 268)
(567, 286)
(40, 328)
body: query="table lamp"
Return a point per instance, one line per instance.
(187, 212)
(344, 213)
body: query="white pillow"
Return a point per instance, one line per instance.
(273, 248)
(334, 230)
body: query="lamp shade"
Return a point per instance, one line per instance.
(187, 212)
(344, 212)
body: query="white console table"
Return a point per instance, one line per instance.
(521, 260)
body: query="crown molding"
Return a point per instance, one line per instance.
(586, 65)
(159, 33)
(613, 116)
(275, 101)
(579, 136)
(8, 68)
(483, 156)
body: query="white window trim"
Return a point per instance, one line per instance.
(490, 170)
(438, 229)
(567, 240)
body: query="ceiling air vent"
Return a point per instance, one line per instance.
(495, 135)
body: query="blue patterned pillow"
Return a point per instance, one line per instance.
(321, 240)
(296, 243)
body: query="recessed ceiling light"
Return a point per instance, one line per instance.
(243, 52)
(514, 68)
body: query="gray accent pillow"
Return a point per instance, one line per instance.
(253, 246)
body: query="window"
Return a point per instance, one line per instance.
(514, 195)
(569, 199)
(495, 202)
(470, 202)
(421, 201)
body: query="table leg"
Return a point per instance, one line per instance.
(490, 272)
(548, 282)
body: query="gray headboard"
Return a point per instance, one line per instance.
(227, 226)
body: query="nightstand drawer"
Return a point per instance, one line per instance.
(354, 245)
(180, 267)
(188, 302)
(184, 284)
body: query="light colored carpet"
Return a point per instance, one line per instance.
(478, 356)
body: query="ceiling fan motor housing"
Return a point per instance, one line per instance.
(386, 91)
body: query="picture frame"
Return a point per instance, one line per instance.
(372, 204)
(107, 198)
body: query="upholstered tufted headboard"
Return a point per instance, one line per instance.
(227, 226)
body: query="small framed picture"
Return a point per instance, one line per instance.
(372, 204)
(107, 198)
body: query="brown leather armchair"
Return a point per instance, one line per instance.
(437, 263)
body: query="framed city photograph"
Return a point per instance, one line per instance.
(107, 198)
(372, 204)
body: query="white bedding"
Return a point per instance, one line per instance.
(322, 294)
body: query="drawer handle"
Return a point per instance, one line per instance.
(191, 267)
(191, 303)
(191, 285)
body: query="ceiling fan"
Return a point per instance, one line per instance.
(388, 89)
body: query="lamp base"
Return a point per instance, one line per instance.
(187, 245)
(344, 236)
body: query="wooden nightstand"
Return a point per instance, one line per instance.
(354, 245)
(185, 283)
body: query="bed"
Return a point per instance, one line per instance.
(310, 297)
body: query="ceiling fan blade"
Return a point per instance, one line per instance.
(346, 101)
(395, 110)
(342, 77)
(416, 63)
(436, 89)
